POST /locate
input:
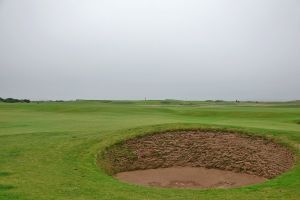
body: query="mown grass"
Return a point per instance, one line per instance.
(48, 150)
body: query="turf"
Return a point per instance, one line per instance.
(48, 150)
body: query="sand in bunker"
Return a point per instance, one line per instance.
(188, 177)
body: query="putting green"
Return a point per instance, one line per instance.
(48, 150)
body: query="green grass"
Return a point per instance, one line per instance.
(48, 150)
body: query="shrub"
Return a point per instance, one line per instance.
(12, 100)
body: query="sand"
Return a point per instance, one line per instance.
(188, 177)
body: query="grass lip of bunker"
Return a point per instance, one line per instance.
(230, 152)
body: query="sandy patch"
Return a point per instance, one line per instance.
(188, 177)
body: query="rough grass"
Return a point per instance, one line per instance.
(48, 150)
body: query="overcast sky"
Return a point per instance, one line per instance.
(131, 49)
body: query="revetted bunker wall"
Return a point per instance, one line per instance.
(196, 148)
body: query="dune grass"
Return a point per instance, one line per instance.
(48, 150)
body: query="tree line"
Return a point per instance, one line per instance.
(12, 100)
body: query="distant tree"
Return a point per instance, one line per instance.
(26, 100)
(12, 100)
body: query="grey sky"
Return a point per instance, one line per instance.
(129, 49)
